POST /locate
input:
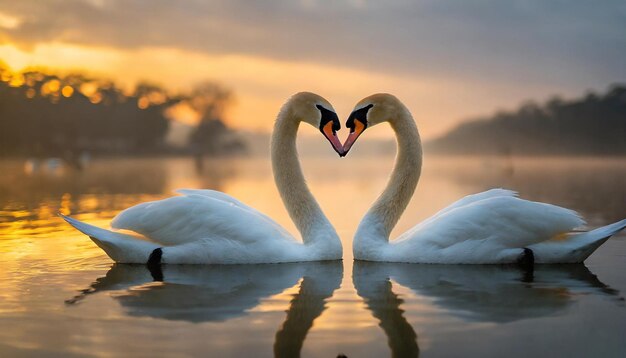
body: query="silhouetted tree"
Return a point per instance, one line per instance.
(212, 136)
(43, 114)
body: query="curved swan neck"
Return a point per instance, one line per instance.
(300, 203)
(386, 211)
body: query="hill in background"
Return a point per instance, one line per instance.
(592, 125)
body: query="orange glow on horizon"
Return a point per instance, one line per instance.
(261, 85)
(183, 113)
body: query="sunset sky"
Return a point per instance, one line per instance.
(448, 60)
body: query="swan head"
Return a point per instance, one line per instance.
(318, 112)
(368, 112)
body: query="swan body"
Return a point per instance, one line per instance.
(210, 227)
(492, 227)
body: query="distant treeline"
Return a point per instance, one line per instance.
(46, 115)
(594, 124)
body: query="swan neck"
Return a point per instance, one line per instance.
(387, 209)
(297, 198)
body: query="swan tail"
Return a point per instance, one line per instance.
(121, 248)
(577, 247)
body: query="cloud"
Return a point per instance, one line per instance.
(564, 42)
(448, 60)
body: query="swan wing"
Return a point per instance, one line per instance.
(218, 195)
(468, 200)
(212, 194)
(199, 215)
(486, 229)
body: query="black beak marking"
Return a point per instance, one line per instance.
(358, 115)
(328, 116)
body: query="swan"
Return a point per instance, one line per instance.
(210, 227)
(492, 227)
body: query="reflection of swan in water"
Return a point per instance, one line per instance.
(371, 282)
(210, 293)
(488, 293)
(319, 282)
(222, 292)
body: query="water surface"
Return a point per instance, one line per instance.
(60, 295)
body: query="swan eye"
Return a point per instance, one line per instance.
(358, 115)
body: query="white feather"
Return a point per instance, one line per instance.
(210, 227)
(485, 228)
(490, 230)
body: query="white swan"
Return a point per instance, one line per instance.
(485, 228)
(210, 227)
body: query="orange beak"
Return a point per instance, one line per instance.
(330, 134)
(359, 127)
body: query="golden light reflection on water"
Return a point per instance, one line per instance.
(45, 262)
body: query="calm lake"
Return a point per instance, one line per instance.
(60, 295)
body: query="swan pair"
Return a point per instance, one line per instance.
(210, 227)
